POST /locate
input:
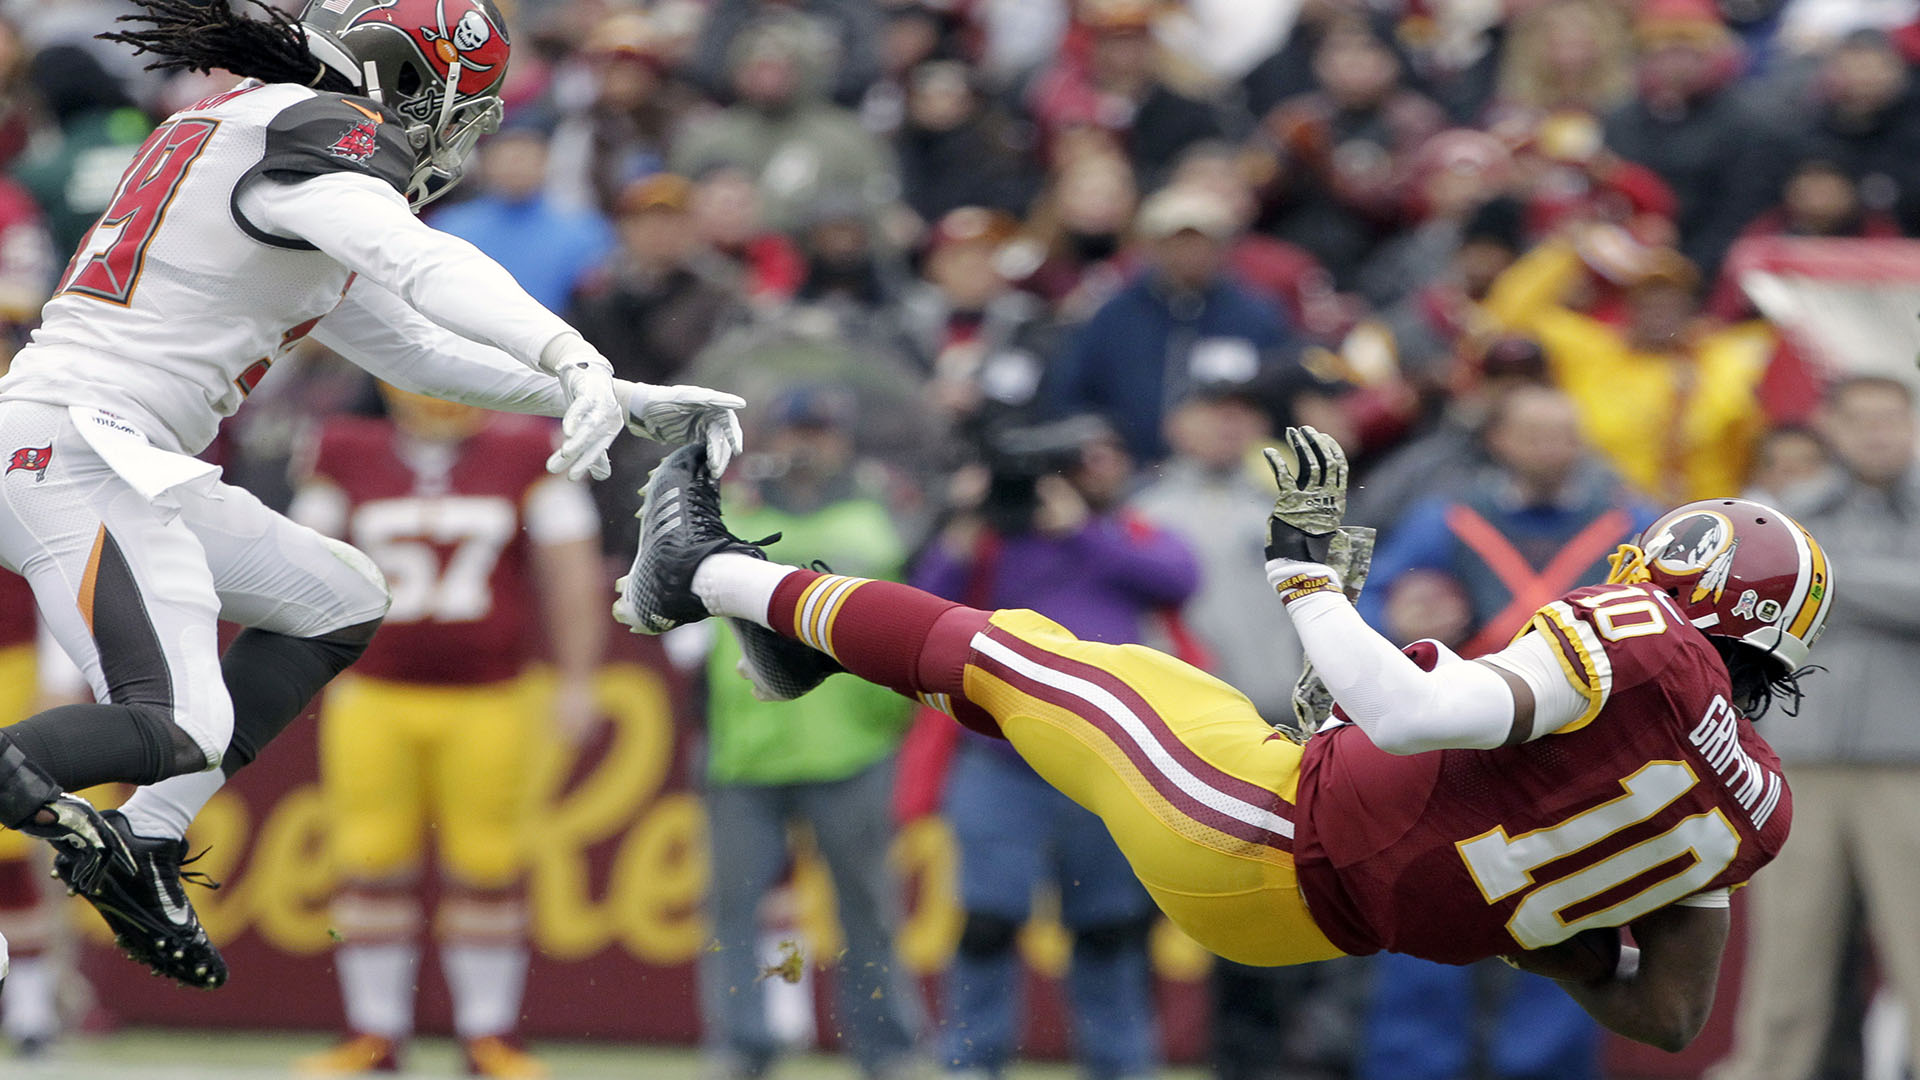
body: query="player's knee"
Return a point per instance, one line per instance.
(176, 747)
(482, 859)
(1113, 938)
(985, 936)
(369, 597)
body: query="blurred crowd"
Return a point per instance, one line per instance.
(1016, 288)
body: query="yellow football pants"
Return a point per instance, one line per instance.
(1196, 789)
(396, 758)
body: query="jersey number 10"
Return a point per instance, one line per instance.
(107, 266)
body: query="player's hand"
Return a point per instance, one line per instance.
(591, 423)
(684, 414)
(576, 710)
(1311, 473)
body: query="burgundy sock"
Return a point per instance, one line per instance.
(909, 641)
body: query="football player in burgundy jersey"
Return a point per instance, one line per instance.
(1600, 772)
(279, 209)
(487, 557)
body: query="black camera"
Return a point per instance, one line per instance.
(1017, 457)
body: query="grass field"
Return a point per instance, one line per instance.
(149, 1054)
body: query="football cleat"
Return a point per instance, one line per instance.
(91, 850)
(352, 1056)
(495, 1055)
(780, 668)
(147, 908)
(679, 527)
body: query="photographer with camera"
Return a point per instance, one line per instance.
(1045, 528)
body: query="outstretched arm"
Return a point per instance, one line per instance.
(1662, 996)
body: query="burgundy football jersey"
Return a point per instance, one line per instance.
(1662, 789)
(19, 622)
(450, 540)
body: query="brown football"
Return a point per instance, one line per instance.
(1589, 956)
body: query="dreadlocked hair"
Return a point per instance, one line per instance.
(200, 35)
(1758, 681)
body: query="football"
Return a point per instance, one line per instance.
(1589, 956)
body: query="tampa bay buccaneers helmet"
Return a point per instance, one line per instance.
(1738, 569)
(438, 63)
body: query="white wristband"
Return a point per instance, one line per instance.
(1293, 579)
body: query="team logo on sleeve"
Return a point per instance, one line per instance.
(358, 142)
(33, 459)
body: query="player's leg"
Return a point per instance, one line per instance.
(373, 782)
(28, 1017)
(310, 604)
(852, 824)
(483, 739)
(1194, 787)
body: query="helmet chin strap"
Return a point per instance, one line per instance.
(369, 82)
(454, 68)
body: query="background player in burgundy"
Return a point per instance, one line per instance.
(1600, 772)
(431, 734)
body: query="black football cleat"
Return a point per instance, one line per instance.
(679, 527)
(148, 911)
(91, 849)
(780, 668)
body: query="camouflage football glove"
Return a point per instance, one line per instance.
(1312, 476)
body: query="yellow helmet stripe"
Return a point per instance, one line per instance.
(1819, 590)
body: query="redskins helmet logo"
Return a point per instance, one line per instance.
(1700, 543)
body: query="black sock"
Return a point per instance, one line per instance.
(79, 746)
(272, 677)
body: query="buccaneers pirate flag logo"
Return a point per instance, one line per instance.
(33, 459)
(357, 143)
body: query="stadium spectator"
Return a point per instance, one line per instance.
(1689, 126)
(825, 761)
(844, 33)
(1820, 199)
(1667, 399)
(982, 341)
(797, 146)
(956, 148)
(1284, 273)
(760, 262)
(1564, 55)
(434, 729)
(1343, 151)
(1851, 751)
(1455, 173)
(74, 166)
(650, 309)
(1050, 535)
(1451, 451)
(1075, 256)
(548, 248)
(1183, 319)
(1788, 459)
(1541, 521)
(1116, 83)
(1867, 124)
(621, 129)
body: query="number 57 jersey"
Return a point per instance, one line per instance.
(1659, 790)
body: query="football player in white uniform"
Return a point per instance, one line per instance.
(281, 208)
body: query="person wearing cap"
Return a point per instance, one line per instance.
(782, 129)
(855, 27)
(619, 133)
(1669, 400)
(1688, 124)
(547, 247)
(958, 148)
(650, 307)
(825, 761)
(1183, 319)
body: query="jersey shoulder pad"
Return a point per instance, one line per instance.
(330, 133)
(1612, 638)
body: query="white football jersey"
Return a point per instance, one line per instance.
(174, 308)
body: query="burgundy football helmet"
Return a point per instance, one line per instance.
(1738, 569)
